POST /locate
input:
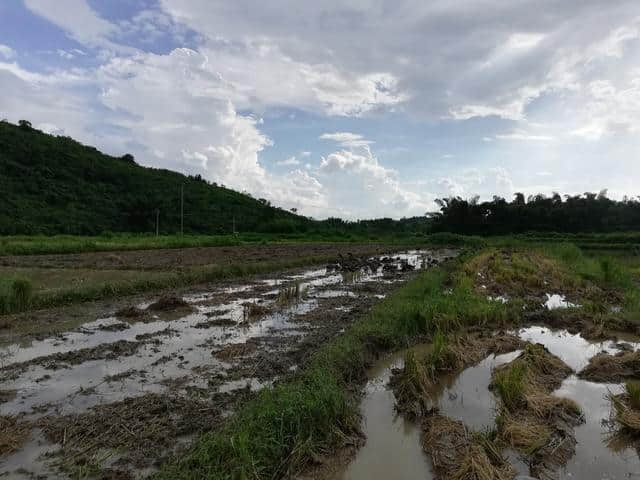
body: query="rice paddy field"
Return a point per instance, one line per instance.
(462, 358)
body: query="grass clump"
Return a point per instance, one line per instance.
(276, 434)
(509, 384)
(15, 295)
(290, 294)
(13, 434)
(632, 388)
(531, 420)
(459, 454)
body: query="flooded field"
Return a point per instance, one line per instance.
(394, 443)
(121, 393)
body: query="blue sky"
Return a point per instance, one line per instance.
(357, 109)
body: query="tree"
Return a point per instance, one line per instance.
(25, 124)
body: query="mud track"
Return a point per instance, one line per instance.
(166, 259)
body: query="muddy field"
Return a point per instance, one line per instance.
(127, 385)
(164, 259)
(542, 399)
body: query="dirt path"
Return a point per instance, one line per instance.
(164, 259)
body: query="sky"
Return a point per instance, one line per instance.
(355, 109)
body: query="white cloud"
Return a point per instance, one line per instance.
(357, 181)
(346, 139)
(557, 79)
(288, 162)
(79, 20)
(7, 52)
(520, 135)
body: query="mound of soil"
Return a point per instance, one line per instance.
(235, 350)
(167, 304)
(534, 422)
(130, 312)
(608, 368)
(455, 454)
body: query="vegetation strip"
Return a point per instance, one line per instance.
(18, 295)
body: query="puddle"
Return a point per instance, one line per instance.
(392, 448)
(557, 301)
(572, 349)
(466, 396)
(593, 458)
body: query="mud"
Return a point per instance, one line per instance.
(167, 259)
(608, 368)
(170, 376)
(168, 304)
(13, 434)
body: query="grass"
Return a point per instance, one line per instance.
(633, 391)
(290, 294)
(509, 384)
(39, 244)
(15, 294)
(139, 283)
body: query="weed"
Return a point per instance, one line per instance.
(290, 294)
(509, 384)
(633, 391)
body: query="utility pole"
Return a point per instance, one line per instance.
(157, 222)
(182, 209)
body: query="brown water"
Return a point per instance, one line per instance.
(392, 448)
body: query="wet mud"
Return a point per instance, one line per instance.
(121, 392)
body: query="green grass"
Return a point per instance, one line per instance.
(15, 294)
(37, 244)
(85, 292)
(633, 390)
(509, 384)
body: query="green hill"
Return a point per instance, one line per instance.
(53, 184)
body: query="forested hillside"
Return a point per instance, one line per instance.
(52, 184)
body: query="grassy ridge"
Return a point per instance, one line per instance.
(59, 244)
(16, 294)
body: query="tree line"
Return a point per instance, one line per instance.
(588, 212)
